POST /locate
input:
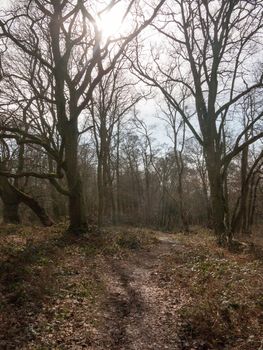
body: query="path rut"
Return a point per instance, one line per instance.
(141, 314)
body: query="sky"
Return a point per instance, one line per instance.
(4, 3)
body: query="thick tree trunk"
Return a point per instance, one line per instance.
(218, 207)
(216, 182)
(68, 129)
(202, 173)
(77, 204)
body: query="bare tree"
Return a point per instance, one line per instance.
(211, 46)
(13, 194)
(177, 134)
(113, 99)
(64, 40)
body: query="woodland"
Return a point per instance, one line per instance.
(131, 167)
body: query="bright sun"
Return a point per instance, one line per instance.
(111, 22)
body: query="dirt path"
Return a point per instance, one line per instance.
(140, 314)
(70, 294)
(123, 290)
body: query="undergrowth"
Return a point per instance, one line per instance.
(225, 294)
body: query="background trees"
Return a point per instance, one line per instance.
(211, 46)
(65, 47)
(70, 91)
(112, 100)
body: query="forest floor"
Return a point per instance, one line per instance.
(127, 289)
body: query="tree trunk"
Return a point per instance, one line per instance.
(77, 212)
(240, 216)
(100, 193)
(147, 208)
(218, 208)
(113, 206)
(77, 204)
(12, 197)
(252, 202)
(118, 195)
(35, 207)
(180, 169)
(10, 212)
(217, 196)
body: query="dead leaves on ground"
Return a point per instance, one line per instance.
(53, 288)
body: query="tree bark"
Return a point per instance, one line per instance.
(217, 196)
(10, 212)
(77, 203)
(35, 207)
(12, 197)
(118, 194)
(100, 193)
(252, 202)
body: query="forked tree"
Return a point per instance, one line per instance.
(65, 40)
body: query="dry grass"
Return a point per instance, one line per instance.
(225, 291)
(51, 283)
